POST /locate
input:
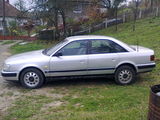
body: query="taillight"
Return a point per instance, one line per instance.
(152, 58)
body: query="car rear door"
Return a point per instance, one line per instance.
(102, 58)
(72, 60)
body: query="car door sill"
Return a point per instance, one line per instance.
(79, 76)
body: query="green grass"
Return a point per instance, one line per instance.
(25, 48)
(95, 99)
(18, 48)
(27, 106)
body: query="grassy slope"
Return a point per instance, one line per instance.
(98, 99)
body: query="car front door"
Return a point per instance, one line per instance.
(102, 58)
(70, 60)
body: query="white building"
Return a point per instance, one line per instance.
(11, 14)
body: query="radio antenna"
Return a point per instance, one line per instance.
(137, 45)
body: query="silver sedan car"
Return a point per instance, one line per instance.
(80, 56)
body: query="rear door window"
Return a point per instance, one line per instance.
(105, 46)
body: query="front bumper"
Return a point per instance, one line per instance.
(9, 75)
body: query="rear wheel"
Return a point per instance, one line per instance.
(31, 78)
(125, 75)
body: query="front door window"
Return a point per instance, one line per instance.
(75, 48)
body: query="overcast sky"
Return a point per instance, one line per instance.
(28, 1)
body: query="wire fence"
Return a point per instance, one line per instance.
(130, 16)
(122, 18)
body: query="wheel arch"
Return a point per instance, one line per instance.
(31, 67)
(127, 64)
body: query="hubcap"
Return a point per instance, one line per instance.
(31, 79)
(125, 76)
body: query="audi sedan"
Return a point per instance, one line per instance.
(80, 56)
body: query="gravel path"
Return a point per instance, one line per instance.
(7, 96)
(11, 91)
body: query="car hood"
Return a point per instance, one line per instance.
(26, 57)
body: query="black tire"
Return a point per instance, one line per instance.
(125, 75)
(31, 78)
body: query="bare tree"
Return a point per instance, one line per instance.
(111, 6)
(20, 5)
(51, 9)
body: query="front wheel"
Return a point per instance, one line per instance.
(125, 75)
(31, 78)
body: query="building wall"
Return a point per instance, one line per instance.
(8, 20)
(77, 10)
(11, 19)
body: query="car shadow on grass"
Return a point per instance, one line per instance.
(12, 84)
(81, 81)
(58, 82)
(65, 82)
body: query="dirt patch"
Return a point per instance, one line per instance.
(52, 105)
(8, 93)
(47, 92)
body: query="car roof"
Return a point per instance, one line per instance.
(88, 37)
(99, 37)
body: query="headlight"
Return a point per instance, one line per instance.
(6, 67)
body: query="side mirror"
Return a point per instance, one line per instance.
(58, 54)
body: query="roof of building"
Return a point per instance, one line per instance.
(10, 10)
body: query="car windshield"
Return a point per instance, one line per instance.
(50, 51)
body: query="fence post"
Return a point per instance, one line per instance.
(140, 14)
(71, 32)
(124, 17)
(157, 11)
(54, 34)
(89, 29)
(106, 23)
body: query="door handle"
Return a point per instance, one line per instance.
(113, 60)
(82, 61)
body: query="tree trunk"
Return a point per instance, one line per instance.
(56, 24)
(111, 12)
(28, 32)
(64, 23)
(151, 5)
(116, 18)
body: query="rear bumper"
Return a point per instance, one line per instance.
(146, 67)
(9, 75)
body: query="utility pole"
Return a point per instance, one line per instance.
(4, 19)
